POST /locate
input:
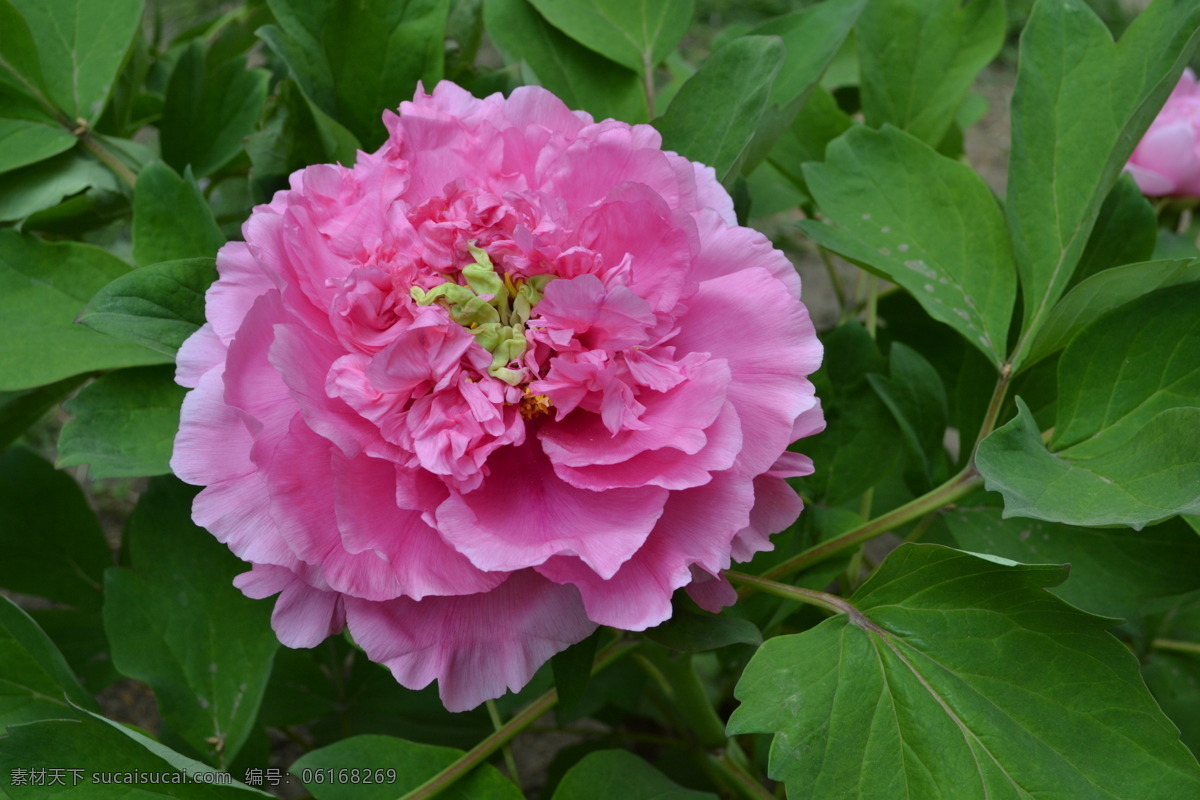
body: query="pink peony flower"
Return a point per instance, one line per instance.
(515, 375)
(1167, 160)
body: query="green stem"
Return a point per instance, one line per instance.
(872, 305)
(690, 700)
(1192, 648)
(505, 734)
(830, 602)
(509, 761)
(961, 484)
(831, 271)
(738, 779)
(108, 159)
(994, 405)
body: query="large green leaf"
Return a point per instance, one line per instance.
(637, 34)
(1151, 476)
(957, 677)
(919, 57)
(171, 219)
(158, 306)
(1126, 443)
(713, 118)
(40, 186)
(1172, 670)
(176, 622)
(616, 773)
(1104, 291)
(19, 410)
(25, 142)
(81, 45)
(52, 542)
(356, 59)
(914, 393)
(811, 37)
(395, 766)
(35, 682)
(1125, 232)
(922, 220)
(1115, 572)
(124, 424)
(1081, 104)
(43, 287)
(76, 750)
(582, 79)
(209, 111)
(861, 441)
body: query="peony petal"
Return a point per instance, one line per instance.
(213, 443)
(475, 646)
(523, 514)
(696, 528)
(303, 616)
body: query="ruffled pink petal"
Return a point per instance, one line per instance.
(523, 514)
(475, 646)
(199, 353)
(599, 318)
(666, 467)
(213, 443)
(238, 513)
(675, 419)
(711, 592)
(696, 528)
(372, 523)
(765, 333)
(303, 616)
(726, 249)
(242, 279)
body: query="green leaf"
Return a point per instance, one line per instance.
(19, 410)
(1125, 232)
(1171, 668)
(404, 766)
(923, 221)
(691, 632)
(637, 34)
(23, 142)
(818, 123)
(43, 287)
(36, 682)
(81, 45)
(40, 186)
(92, 745)
(171, 219)
(355, 65)
(811, 37)
(958, 677)
(1115, 572)
(158, 306)
(79, 635)
(1080, 106)
(294, 135)
(54, 547)
(124, 424)
(1152, 476)
(209, 110)
(1104, 291)
(176, 622)
(736, 79)
(580, 78)
(1126, 443)
(914, 393)
(861, 442)
(919, 57)
(616, 773)
(572, 671)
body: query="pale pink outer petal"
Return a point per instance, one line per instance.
(475, 646)
(711, 592)
(199, 353)
(523, 514)
(213, 443)
(242, 279)
(303, 616)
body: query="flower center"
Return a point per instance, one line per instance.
(494, 308)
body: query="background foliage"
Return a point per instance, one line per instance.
(1012, 383)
